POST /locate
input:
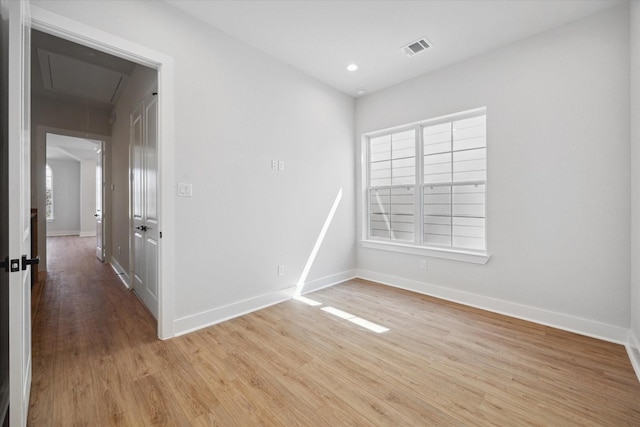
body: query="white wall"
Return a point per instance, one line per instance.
(142, 82)
(87, 198)
(558, 178)
(236, 109)
(66, 198)
(635, 183)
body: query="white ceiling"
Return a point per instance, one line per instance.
(321, 38)
(70, 148)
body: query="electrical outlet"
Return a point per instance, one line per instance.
(423, 264)
(274, 165)
(281, 270)
(281, 165)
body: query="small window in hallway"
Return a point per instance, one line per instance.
(49, 192)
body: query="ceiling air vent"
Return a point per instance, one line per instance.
(416, 47)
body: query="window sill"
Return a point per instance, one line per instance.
(431, 252)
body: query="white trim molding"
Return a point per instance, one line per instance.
(442, 253)
(187, 324)
(327, 281)
(53, 233)
(633, 350)
(192, 323)
(121, 273)
(578, 325)
(87, 234)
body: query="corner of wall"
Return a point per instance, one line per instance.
(633, 350)
(633, 347)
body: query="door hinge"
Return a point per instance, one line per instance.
(161, 234)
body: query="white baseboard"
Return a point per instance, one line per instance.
(53, 233)
(633, 350)
(88, 234)
(327, 281)
(122, 275)
(591, 328)
(207, 318)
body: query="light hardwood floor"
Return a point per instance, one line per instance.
(97, 362)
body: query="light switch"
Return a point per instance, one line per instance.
(185, 189)
(280, 165)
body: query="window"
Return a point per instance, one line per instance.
(392, 186)
(49, 192)
(426, 184)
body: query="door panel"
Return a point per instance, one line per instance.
(144, 187)
(99, 203)
(151, 158)
(19, 209)
(151, 255)
(136, 200)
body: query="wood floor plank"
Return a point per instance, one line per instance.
(97, 362)
(155, 399)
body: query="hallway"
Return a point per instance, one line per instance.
(85, 323)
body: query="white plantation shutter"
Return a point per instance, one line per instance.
(392, 177)
(391, 213)
(440, 202)
(455, 173)
(392, 159)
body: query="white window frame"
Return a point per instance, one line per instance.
(417, 247)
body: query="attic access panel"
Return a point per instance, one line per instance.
(75, 77)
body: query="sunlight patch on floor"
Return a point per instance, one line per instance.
(307, 301)
(374, 327)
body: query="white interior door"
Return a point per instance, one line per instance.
(17, 14)
(4, 223)
(99, 203)
(144, 204)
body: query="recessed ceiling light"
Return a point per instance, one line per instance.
(360, 91)
(352, 67)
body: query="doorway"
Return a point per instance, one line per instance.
(73, 187)
(86, 93)
(87, 36)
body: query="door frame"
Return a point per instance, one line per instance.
(103, 201)
(65, 28)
